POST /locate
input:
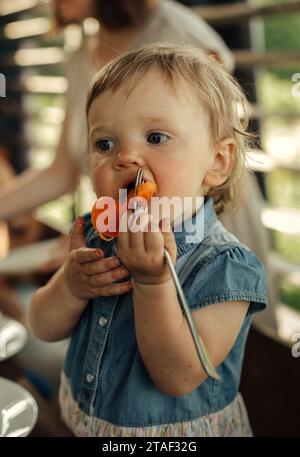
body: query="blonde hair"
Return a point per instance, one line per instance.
(218, 90)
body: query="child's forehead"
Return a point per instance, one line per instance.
(152, 85)
(143, 80)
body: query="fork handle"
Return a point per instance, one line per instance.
(200, 348)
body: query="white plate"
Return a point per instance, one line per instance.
(18, 410)
(28, 258)
(13, 337)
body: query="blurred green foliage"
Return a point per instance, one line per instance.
(283, 188)
(289, 294)
(281, 32)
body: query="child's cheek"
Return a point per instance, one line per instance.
(95, 178)
(101, 183)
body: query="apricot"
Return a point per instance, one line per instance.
(145, 190)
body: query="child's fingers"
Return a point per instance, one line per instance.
(153, 239)
(137, 223)
(104, 279)
(123, 238)
(133, 224)
(168, 235)
(84, 255)
(115, 289)
(77, 235)
(124, 222)
(100, 266)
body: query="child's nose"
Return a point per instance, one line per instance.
(129, 156)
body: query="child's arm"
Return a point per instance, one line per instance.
(54, 311)
(165, 341)
(163, 337)
(56, 308)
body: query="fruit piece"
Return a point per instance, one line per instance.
(115, 211)
(112, 211)
(146, 190)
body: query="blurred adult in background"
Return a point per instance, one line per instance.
(124, 25)
(6, 173)
(38, 359)
(9, 303)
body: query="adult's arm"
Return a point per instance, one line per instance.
(35, 187)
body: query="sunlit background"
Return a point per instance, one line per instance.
(33, 62)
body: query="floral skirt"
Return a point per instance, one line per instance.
(229, 422)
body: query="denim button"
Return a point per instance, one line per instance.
(102, 321)
(89, 377)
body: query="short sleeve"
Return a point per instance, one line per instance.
(233, 275)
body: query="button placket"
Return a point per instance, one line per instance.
(96, 348)
(102, 321)
(90, 378)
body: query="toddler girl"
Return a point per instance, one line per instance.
(132, 368)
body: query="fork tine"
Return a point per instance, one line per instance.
(138, 181)
(139, 178)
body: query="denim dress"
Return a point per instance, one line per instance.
(105, 387)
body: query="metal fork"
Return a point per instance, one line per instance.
(199, 345)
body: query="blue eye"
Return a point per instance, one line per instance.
(157, 138)
(104, 145)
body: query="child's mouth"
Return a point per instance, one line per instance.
(130, 187)
(126, 190)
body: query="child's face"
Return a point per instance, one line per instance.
(162, 131)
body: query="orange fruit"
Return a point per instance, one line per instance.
(111, 218)
(145, 190)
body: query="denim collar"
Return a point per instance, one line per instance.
(194, 229)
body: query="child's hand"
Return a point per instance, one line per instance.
(142, 252)
(87, 273)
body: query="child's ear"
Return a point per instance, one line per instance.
(222, 163)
